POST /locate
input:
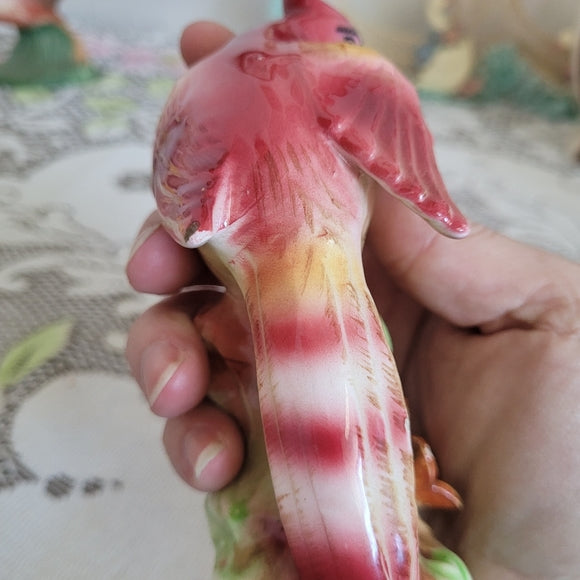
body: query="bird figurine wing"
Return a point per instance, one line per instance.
(373, 115)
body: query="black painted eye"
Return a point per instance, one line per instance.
(348, 34)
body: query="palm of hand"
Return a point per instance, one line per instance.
(498, 407)
(488, 406)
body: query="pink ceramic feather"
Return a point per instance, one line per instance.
(264, 157)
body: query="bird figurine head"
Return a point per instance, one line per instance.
(313, 21)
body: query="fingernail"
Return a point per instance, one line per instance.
(143, 236)
(159, 363)
(199, 445)
(208, 454)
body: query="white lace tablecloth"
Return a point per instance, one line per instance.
(86, 491)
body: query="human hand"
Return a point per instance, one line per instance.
(164, 349)
(486, 339)
(486, 335)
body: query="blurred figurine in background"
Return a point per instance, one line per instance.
(46, 51)
(576, 78)
(447, 61)
(497, 50)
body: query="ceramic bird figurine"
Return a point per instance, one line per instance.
(26, 13)
(46, 52)
(267, 158)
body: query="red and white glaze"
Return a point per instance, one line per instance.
(264, 157)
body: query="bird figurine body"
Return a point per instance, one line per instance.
(268, 157)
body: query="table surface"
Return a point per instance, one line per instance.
(86, 491)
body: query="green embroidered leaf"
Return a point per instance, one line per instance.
(45, 343)
(160, 87)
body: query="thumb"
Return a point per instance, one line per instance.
(485, 280)
(200, 39)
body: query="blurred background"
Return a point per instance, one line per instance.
(383, 22)
(462, 31)
(164, 18)
(378, 17)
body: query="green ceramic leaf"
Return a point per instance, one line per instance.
(239, 511)
(443, 564)
(387, 334)
(42, 345)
